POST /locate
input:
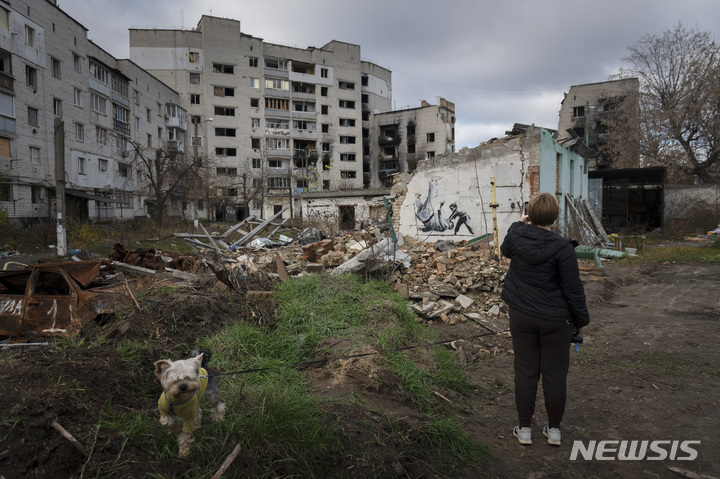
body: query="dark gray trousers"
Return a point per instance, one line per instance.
(542, 348)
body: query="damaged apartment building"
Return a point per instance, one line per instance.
(292, 130)
(621, 193)
(69, 115)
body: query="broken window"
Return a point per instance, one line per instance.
(324, 109)
(276, 64)
(346, 85)
(306, 106)
(274, 163)
(364, 80)
(326, 184)
(430, 137)
(256, 163)
(277, 182)
(347, 122)
(195, 78)
(49, 283)
(124, 170)
(411, 148)
(304, 125)
(255, 145)
(32, 116)
(277, 104)
(221, 151)
(347, 156)
(278, 143)
(255, 122)
(252, 62)
(347, 140)
(223, 91)
(274, 124)
(348, 174)
(299, 87)
(224, 111)
(323, 91)
(254, 102)
(225, 132)
(325, 128)
(324, 72)
(347, 104)
(222, 68)
(306, 68)
(254, 83)
(578, 111)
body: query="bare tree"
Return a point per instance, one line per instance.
(679, 123)
(166, 174)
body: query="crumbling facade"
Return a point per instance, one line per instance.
(67, 112)
(450, 196)
(407, 136)
(591, 112)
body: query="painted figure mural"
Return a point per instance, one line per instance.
(434, 220)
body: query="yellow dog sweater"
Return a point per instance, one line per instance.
(186, 409)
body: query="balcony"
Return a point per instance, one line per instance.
(175, 145)
(6, 81)
(304, 114)
(121, 126)
(388, 140)
(176, 122)
(277, 132)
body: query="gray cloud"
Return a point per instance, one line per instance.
(500, 62)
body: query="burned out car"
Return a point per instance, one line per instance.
(55, 299)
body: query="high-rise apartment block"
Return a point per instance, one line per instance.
(69, 112)
(259, 122)
(278, 120)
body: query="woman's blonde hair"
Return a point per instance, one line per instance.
(543, 209)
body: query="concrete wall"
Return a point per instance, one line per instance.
(521, 165)
(323, 209)
(691, 208)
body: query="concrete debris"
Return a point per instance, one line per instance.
(444, 281)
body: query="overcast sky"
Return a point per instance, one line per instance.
(500, 61)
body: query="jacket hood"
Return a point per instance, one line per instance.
(534, 244)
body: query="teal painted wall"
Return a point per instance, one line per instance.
(559, 162)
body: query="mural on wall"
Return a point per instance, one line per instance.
(433, 220)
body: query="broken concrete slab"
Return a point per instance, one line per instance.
(465, 302)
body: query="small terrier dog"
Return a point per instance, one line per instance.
(185, 382)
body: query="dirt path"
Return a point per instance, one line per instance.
(649, 370)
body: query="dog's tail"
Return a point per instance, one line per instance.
(206, 356)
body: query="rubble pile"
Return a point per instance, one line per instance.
(152, 258)
(454, 284)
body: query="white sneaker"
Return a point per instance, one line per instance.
(524, 434)
(553, 435)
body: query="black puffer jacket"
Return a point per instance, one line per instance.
(543, 280)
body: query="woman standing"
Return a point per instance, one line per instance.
(547, 305)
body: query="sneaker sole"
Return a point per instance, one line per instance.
(524, 442)
(552, 442)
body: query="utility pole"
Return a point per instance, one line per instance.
(59, 139)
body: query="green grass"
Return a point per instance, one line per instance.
(273, 414)
(662, 254)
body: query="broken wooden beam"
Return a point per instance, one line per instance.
(259, 228)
